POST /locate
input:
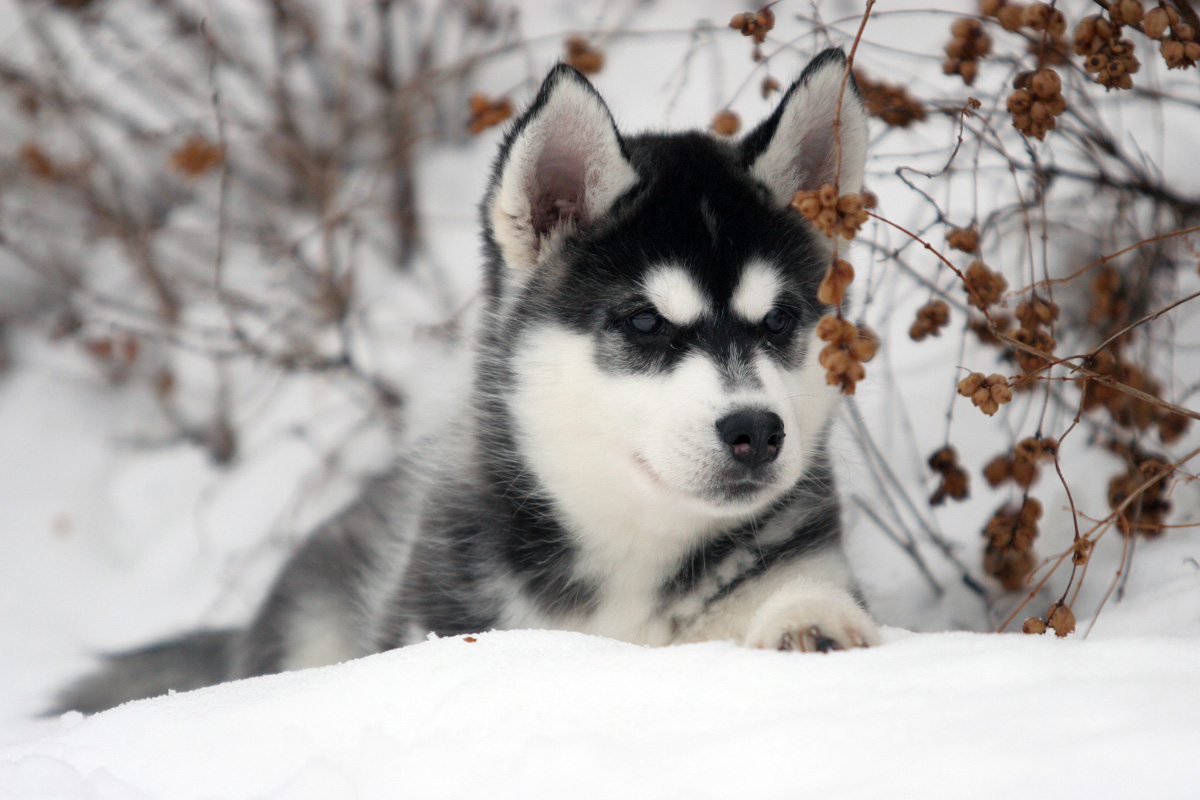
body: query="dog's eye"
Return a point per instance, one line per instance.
(646, 322)
(778, 321)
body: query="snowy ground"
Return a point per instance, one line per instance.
(545, 714)
(113, 538)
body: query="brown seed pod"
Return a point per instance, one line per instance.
(1035, 312)
(965, 239)
(848, 348)
(931, 318)
(865, 345)
(1081, 551)
(726, 123)
(1061, 620)
(583, 56)
(1008, 556)
(1020, 101)
(1128, 11)
(968, 44)
(197, 156)
(1036, 15)
(1011, 17)
(1046, 83)
(832, 214)
(832, 290)
(998, 470)
(983, 286)
(954, 483)
(1156, 23)
(891, 104)
(754, 24)
(1033, 625)
(988, 393)
(836, 330)
(486, 113)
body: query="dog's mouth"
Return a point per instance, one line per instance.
(730, 487)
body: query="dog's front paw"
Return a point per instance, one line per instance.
(812, 617)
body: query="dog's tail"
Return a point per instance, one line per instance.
(191, 661)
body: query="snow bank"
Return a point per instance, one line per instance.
(548, 714)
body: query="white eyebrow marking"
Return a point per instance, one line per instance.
(676, 296)
(757, 291)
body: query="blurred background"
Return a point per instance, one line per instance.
(239, 254)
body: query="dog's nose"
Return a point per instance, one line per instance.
(753, 436)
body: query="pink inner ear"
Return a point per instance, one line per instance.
(558, 188)
(816, 161)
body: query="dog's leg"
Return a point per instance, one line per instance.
(811, 616)
(802, 605)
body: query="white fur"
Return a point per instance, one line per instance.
(802, 153)
(676, 296)
(756, 292)
(626, 457)
(804, 609)
(573, 124)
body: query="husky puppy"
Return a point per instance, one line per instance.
(643, 451)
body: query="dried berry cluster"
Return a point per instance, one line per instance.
(1040, 17)
(726, 123)
(1106, 54)
(1148, 512)
(965, 239)
(1059, 618)
(983, 286)
(1179, 47)
(755, 24)
(486, 113)
(1127, 410)
(838, 278)
(931, 318)
(892, 104)
(1010, 533)
(832, 214)
(35, 159)
(967, 45)
(954, 483)
(999, 321)
(988, 392)
(1021, 466)
(1036, 102)
(1111, 311)
(1033, 314)
(847, 350)
(583, 56)
(197, 155)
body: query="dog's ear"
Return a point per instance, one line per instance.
(795, 147)
(561, 168)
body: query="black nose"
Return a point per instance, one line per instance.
(753, 436)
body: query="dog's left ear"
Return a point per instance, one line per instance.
(561, 169)
(795, 148)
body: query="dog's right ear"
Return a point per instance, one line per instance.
(561, 168)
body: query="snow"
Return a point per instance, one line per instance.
(115, 535)
(548, 714)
